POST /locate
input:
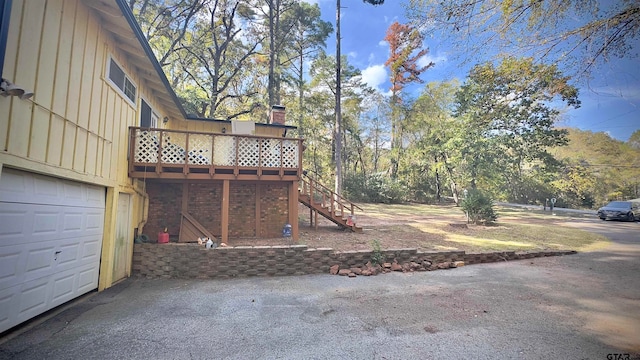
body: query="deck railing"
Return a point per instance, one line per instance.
(171, 151)
(323, 197)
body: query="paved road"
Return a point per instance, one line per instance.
(540, 207)
(582, 306)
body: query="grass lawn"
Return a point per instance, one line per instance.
(428, 227)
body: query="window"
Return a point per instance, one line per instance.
(5, 13)
(121, 80)
(148, 119)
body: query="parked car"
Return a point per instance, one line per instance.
(620, 210)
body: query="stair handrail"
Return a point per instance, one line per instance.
(336, 198)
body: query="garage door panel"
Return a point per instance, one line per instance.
(50, 243)
(33, 299)
(45, 222)
(20, 263)
(46, 189)
(95, 197)
(94, 222)
(23, 187)
(12, 263)
(67, 254)
(13, 186)
(91, 249)
(9, 299)
(27, 223)
(13, 224)
(73, 192)
(39, 259)
(77, 252)
(87, 279)
(24, 263)
(64, 286)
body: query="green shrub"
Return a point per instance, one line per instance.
(377, 258)
(479, 207)
(375, 188)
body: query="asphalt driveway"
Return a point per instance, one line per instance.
(583, 306)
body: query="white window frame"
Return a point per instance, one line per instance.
(127, 78)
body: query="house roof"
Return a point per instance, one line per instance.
(120, 22)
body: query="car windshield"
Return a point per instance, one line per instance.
(619, 204)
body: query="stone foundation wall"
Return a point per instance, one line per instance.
(175, 260)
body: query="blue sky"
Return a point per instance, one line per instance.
(610, 100)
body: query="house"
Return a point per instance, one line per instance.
(79, 81)
(96, 151)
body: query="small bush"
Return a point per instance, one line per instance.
(377, 258)
(479, 207)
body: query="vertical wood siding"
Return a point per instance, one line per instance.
(77, 120)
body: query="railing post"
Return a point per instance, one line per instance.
(159, 162)
(212, 169)
(333, 207)
(132, 145)
(185, 170)
(281, 172)
(300, 145)
(236, 171)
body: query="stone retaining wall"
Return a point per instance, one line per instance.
(194, 261)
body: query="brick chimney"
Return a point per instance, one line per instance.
(277, 114)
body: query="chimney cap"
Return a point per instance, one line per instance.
(277, 107)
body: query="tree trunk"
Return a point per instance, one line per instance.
(454, 192)
(272, 50)
(301, 96)
(454, 186)
(438, 185)
(338, 127)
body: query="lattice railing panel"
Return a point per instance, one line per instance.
(173, 145)
(146, 146)
(290, 155)
(248, 152)
(216, 149)
(270, 151)
(224, 151)
(200, 146)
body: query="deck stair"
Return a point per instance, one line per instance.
(191, 229)
(324, 201)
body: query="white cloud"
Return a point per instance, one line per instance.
(425, 60)
(352, 54)
(375, 75)
(383, 43)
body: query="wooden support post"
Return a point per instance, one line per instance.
(258, 201)
(185, 197)
(225, 212)
(316, 220)
(293, 210)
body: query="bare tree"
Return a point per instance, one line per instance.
(578, 32)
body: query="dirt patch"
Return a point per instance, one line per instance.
(427, 228)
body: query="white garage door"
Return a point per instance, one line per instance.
(50, 243)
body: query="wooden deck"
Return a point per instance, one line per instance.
(172, 154)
